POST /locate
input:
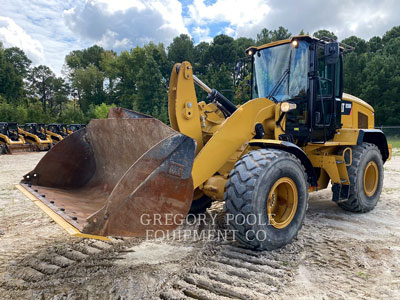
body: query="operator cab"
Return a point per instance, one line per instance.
(35, 129)
(56, 128)
(3, 128)
(74, 127)
(307, 73)
(64, 129)
(12, 130)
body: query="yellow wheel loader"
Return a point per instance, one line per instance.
(64, 129)
(35, 135)
(74, 127)
(10, 140)
(297, 133)
(55, 132)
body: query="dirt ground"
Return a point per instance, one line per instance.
(337, 255)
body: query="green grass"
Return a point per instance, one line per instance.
(395, 142)
(362, 275)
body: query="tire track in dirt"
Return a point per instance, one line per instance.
(337, 255)
(226, 270)
(59, 268)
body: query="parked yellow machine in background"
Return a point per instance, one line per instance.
(56, 132)
(10, 140)
(35, 135)
(297, 133)
(74, 127)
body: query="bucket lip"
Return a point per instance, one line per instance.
(125, 113)
(93, 122)
(72, 230)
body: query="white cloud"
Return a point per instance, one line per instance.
(202, 34)
(364, 18)
(43, 21)
(12, 35)
(229, 31)
(121, 24)
(235, 12)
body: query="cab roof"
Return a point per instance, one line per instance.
(280, 42)
(289, 40)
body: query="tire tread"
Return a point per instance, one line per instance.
(241, 184)
(354, 204)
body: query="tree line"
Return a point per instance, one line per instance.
(95, 78)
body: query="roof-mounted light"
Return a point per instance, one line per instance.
(251, 51)
(287, 106)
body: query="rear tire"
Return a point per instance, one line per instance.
(266, 198)
(366, 179)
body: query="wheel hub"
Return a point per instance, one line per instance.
(371, 175)
(282, 202)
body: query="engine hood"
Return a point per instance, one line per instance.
(357, 100)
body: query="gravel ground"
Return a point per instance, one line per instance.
(336, 255)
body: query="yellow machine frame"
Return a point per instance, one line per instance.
(8, 141)
(221, 142)
(35, 140)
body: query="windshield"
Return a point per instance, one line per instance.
(283, 63)
(12, 126)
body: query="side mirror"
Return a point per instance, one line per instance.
(332, 53)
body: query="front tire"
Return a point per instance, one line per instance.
(266, 199)
(366, 179)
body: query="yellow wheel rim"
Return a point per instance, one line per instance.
(282, 202)
(371, 175)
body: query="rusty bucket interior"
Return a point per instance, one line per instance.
(116, 176)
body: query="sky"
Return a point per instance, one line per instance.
(47, 30)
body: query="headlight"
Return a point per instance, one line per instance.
(251, 51)
(287, 106)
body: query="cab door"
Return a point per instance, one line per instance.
(327, 96)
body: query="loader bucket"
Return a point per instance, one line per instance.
(18, 147)
(116, 177)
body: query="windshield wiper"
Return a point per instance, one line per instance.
(278, 84)
(285, 74)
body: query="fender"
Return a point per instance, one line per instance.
(293, 149)
(377, 137)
